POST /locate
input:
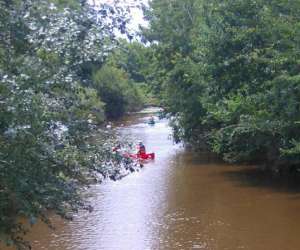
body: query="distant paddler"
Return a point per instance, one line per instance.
(151, 121)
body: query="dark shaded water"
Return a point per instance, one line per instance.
(181, 201)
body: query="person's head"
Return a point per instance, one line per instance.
(140, 143)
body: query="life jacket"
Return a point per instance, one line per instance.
(116, 148)
(142, 150)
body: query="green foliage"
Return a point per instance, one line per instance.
(117, 91)
(47, 111)
(178, 77)
(136, 60)
(292, 153)
(229, 74)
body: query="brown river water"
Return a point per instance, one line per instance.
(182, 200)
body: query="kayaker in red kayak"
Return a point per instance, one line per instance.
(140, 155)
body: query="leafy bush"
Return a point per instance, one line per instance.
(117, 91)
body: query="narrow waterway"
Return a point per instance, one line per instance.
(180, 201)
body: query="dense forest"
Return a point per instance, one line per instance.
(227, 73)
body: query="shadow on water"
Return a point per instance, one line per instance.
(242, 175)
(257, 177)
(192, 158)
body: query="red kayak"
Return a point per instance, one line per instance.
(145, 156)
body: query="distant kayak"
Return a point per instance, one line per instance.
(150, 156)
(151, 121)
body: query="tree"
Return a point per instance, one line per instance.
(174, 26)
(47, 111)
(229, 74)
(117, 91)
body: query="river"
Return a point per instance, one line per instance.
(182, 200)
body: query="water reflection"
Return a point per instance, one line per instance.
(127, 214)
(180, 201)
